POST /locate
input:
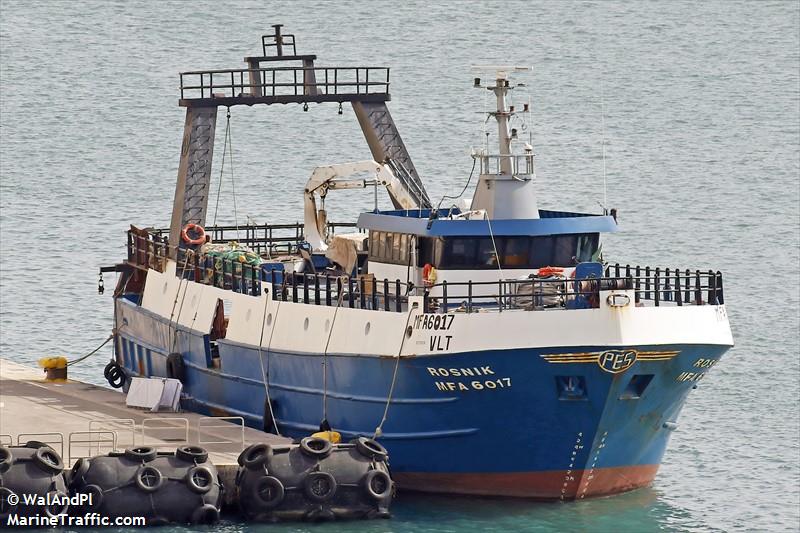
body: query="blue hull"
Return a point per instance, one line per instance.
(504, 422)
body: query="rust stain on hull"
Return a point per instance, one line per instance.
(535, 485)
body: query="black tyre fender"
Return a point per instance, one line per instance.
(95, 499)
(107, 369)
(319, 486)
(142, 453)
(316, 447)
(175, 366)
(200, 479)
(255, 456)
(55, 509)
(148, 479)
(371, 448)
(6, 460)
(7, 508)
(377, 484)
(116, 376)
(205, 514)
(48, 460)
(268, 492)
(192, 454)
(78, 470)
(36, 444)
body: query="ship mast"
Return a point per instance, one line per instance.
(502, 115)
(505, 188)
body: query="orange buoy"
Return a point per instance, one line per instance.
(196, 228)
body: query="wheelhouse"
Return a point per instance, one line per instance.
(403, 243)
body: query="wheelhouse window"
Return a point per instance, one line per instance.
(586, 247)
(388, 247)
(461, 253)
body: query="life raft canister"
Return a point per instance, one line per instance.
(429, 274)
(195, 228)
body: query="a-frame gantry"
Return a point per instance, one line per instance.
(203, 92)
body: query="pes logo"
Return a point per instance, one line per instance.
(616, 361)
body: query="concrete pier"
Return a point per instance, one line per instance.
(79, 420)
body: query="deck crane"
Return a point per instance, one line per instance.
(336, 177)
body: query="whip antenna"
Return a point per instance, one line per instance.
(603, 137)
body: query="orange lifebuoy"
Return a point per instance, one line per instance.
(197, 228)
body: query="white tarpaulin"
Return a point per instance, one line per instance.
(156, 394)
(343, 250)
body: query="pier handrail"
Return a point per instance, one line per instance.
(89, 439)
(48, 438)
(220, 422)
(116, 425)
(164, 424)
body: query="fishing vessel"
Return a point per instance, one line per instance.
(483, 340)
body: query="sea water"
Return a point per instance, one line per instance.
(697, 104)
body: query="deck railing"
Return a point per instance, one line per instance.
(493, 163)
(148, 249)
(361, 292)
(279, 82)
(264, 239)
(671, 285)
(651, 286)
(151, 250)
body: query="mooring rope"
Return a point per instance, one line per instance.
(173, 330)
(233, 183)
(222, 165)
(180, 311)
(79, 359)
(324, 425)
(379, 429)
(264, 374)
